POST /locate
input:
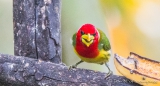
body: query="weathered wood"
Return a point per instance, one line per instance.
(37, 29)
(48, 30)
(20, 71)
(24, 28)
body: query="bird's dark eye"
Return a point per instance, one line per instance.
(94, 34)
(82, 33)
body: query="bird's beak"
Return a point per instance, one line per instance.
(87, 39)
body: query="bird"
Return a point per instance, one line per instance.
(92, 46)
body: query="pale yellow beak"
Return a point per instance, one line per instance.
(87, 39)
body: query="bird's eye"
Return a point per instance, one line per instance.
(94, 34)
(82, 33)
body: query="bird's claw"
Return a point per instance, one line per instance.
(108, 74)
(73, 66)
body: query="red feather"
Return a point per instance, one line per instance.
(91, 51)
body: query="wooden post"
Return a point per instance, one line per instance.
(24, 28)
(37, 29)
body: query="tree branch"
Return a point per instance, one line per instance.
(21, 71)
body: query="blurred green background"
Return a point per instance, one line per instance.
(130, 25)
(6, 27)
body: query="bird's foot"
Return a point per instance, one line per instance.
(75, 66)
(72, 66)
(108, 74)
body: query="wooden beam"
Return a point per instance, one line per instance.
(23, 71)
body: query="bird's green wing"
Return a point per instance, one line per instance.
(74, 40)
(103, 41)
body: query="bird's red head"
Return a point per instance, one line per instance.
(88, 34)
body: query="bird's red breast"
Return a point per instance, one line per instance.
(91, 51)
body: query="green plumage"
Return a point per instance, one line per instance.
(103, 41)
(74, 40)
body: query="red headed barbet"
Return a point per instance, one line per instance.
(92, 46)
